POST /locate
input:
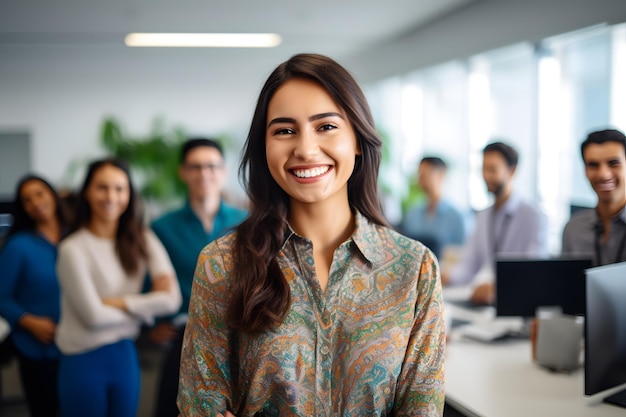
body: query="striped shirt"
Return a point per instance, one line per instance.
(372, 343)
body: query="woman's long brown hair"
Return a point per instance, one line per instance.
(261, 295)
(130, 241)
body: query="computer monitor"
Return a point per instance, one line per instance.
(605, 331)
(523, 285)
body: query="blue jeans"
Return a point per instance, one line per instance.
(104, 382)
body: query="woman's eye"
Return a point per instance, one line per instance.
(327, 126)
(283, 131)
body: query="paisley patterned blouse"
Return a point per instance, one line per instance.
(371, 344)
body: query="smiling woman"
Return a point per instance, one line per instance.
(101, 269)
(313, 306)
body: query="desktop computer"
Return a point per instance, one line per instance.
(523, 285)
(605, 331)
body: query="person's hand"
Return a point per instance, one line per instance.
(162, 333)
(161, 284)
(43, 328)
(227, 414)
(484, 294)
(117, 302)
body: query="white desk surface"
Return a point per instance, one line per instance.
(499, 379)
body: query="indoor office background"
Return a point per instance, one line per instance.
(442, 77)
(542, 97)
(536, 73)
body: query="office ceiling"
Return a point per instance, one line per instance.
(334, 27)
(82, 40)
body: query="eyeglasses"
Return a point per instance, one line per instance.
(200, 167)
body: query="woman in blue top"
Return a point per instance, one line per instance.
(29, 290)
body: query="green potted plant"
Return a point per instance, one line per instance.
(154, 159)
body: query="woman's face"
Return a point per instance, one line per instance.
(310, 143)
(38, 201)
(108, 194)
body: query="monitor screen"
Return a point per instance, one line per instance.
(523, 285)
(605, 328)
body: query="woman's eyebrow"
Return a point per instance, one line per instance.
(311, 118)
(281, 120)
(323, 115)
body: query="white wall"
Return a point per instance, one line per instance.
(60, 94)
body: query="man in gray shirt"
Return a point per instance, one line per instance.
(511, 227)
(600, 233)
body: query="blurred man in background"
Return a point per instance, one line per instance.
(184, 232)
(435, 222)
(511, 226)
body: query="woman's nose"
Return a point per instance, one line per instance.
(306, 146)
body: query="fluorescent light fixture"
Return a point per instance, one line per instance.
(204, 40)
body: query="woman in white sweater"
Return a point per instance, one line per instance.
(101, 267)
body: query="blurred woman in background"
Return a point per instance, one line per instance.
(29, 290)
(101, 269)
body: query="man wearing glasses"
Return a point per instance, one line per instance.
(184, 232)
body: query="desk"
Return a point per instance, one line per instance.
(500, 380)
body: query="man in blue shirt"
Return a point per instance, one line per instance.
(510, 227)
(184, 232)
(437, 223)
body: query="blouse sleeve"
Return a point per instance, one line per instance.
(11, 265)
(420, 390)
(156, 303)
(205, 372)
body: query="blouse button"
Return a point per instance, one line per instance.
(325, 350)
(387, 391)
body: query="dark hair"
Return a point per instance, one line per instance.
(196, 142)
(435, 161)
(21, 220)
(261, 297)
(130, 242)
(603, 136)
(507, 151)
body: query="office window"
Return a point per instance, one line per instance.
(502, 107)
(425, 113)
(576, 85)
(445, 129)
(543, 99)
